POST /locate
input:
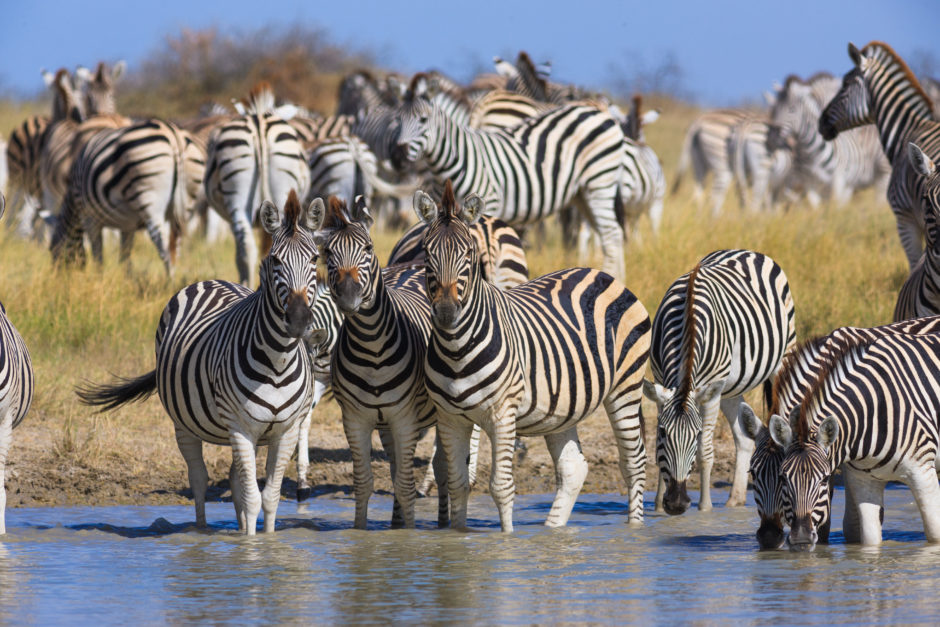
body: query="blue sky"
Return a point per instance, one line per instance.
(728, 51)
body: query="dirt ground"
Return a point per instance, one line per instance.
(85, 463)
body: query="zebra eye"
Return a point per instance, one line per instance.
(369, 249)
(423, 119)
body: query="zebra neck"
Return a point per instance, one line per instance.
(269, 330)
(478, 321)
(371, 319)
(453, 147)
(899, 110)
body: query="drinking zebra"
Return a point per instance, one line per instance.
(16, 390)
(721, 330)
(376, 368)
(882, 90)
(801, 366)
(920, 294)
(532, 360)
(570, 155)
(872, 409)
(146, 175)
(232, 368)
(252, 158)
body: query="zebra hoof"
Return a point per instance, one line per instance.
(303, 494)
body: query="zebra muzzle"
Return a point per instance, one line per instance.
(348, 294)
(297, 314)
(676, 500)
(770, 533)
(803, 535)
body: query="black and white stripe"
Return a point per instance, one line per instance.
(233, 369)
(920, 294)
(533, 360)
(721, 330)
(761, 162)
(881, 90)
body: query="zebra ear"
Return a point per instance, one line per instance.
(655, 392)
(424, 206)
(472, 208)
(47, 77)
(923, 164)
(855, 55)
(315, 214)
(270, 217)
(118, 70)
(649, 117)
(420, 88)
(83, 74)
(780, 431)
(828, 432)
(360, 212)
(770, 98)
(752, 424)
(705, 394)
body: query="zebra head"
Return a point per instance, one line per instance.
(415, 122)
(346, 246)
(765, 471)
(679, 426)
(452, 264)
(289, 271)
(795, 109)
(851, 106)
(67, 101)
(98, 87)
(804, 479)
(927, 168)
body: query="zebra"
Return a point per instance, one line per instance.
(482, 366)
(705, 148)
(882, 90)
(571, 154)
(836, 169)
(97, 87)
(800, 367)
(761, 162)
(376, 364)
(872, 409)
(721, 329)
(232, 366)
(255, 157)
(146, 175)
(22, 155)
(16, 390)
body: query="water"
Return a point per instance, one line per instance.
(146, 565)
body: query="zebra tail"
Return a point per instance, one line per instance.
(178, 218)
(124, 391)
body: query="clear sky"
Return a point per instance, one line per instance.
(728, 51)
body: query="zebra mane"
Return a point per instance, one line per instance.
(448, 200)
(688, 331)
(100, 75)
(292, 212)
(889, 51)
(788, 368)
(261, 98)
(531, 77)
(822, 74)
(814, 397)
(413, 85)
(633, 118)
(337, 216)
(64, 89)
(791, 79)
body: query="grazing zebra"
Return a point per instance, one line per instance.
(800, 367)
(721, 330)
(146, 175)
(881, 90)
(872, 409)
(920, 294)
(570, 155)
(705, 148)
(232, 368)
(376, 368)
(16, 390)
(836, 169)
(761, 162)
(254, 157)
(533, 360)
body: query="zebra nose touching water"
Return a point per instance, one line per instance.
(233, 369)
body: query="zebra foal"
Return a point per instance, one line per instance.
(532, 360)
(233, 369)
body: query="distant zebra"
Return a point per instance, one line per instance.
(801, 365)
(232, 368)
(255, 157)
(881, 90)
(761, 162)
(22, 155)
(98, 87)
(872, 409)
(533, 360)
(705, 148)
(835, 169)
(920, 294)
(16, 390)
(376, 368)
(571, 155)
(147, 175)
(721, 330)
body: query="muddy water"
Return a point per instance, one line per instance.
(133, 565)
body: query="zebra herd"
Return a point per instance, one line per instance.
(452, 334)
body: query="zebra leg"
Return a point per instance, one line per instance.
(743, 449)
(474, 457)
(868, 493)
(660, 492)
(706, 453)
(246, 251)
(911, 235)
(454, 433)
(237, 501)
(279, 452)
(623, 411)
(96, 242)
(927, 495)
(405, 438)
(598, 207)
(570, 470)
(191, 448)
(850, 523)
(303, 456)
(243, 452)
(160, 236)
(6, 435)
(721, 180)
(388, 445)
(429, 477)
(502, 434)
(359, 438)
(438, 469)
